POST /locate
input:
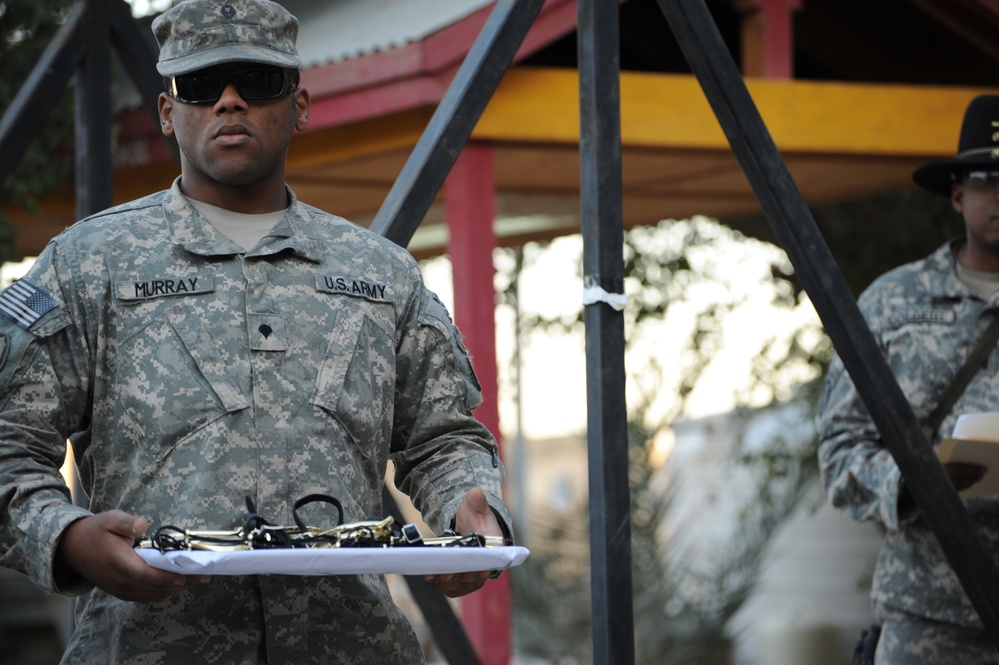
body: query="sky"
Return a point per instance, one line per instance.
(146, 7)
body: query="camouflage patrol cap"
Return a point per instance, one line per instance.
(201, 33)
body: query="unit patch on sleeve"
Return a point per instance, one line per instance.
(354, 286)
(25, 303)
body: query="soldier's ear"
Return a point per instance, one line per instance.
(165, 106)
(302, 109)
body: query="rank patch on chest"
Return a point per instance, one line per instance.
(354, 286)
(163, 287)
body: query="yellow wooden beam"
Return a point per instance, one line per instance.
(670, 111)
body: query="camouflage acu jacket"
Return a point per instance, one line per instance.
(926, 322)
(189, 374)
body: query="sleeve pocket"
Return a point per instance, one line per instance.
(459, 364)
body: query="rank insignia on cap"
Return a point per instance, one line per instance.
(25, 303)
(228, 11)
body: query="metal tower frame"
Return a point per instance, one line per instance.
(82, 47)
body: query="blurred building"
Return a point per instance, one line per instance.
(810, 602)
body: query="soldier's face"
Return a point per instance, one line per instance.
(232, 142)
(977, 199)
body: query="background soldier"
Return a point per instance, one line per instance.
(927, 317)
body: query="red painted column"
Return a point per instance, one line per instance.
(768, 37)
(778, 50)
(470, 208)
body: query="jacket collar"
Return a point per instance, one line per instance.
(189, 229)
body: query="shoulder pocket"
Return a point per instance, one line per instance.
(19, 344)
(459, 364)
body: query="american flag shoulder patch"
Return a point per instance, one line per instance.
(25, 303)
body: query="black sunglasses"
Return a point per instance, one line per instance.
(205, 87)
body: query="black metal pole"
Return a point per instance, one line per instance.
(139, 58)
(603, 273)
(797, 233)
(93, 114)
(448, 632)
(453, 120)
(41, 91)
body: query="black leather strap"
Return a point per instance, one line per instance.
(313, 498)
(976, 360)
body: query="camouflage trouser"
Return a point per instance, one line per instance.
(910, 640)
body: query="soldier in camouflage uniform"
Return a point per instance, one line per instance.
(222, 340)
(926, 316)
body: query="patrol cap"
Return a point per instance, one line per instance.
(201, 33)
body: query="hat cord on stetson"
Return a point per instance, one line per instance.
(994, 152)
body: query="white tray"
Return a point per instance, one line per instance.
(337, 561)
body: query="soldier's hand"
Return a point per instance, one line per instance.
(474, 514)
(99, 548)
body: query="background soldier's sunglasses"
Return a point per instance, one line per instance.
(982, 179)
(206, 86)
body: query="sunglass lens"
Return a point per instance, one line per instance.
(983, 179)
(251, 84)
(259, 83)
(197, 88)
